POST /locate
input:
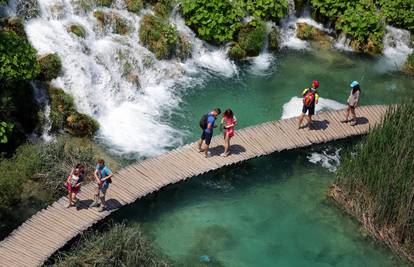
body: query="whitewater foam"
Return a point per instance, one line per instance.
(326, 158)
(293, 108)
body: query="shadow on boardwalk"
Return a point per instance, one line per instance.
(234, 149)
(111, 204)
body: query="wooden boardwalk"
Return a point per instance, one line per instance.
(51, 228)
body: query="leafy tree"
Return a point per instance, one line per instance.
(214, 21)
(267, 9)
(399, 13)
(17, 58)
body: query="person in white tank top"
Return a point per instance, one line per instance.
(353, 101)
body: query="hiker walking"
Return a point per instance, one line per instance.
(353, 100)
(228, 122)
(207, 125)
(310, 99)
(103, 177)
(73, 184)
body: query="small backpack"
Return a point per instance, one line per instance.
(203, 121)
(309, 98)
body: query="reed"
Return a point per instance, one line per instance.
(377, 178)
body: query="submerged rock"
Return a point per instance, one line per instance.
(50, 67)
(317, 37)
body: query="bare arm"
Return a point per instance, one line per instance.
(107, 177)
(95, 174)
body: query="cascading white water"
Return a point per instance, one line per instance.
(118, 81)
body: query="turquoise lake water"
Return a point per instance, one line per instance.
(270, 211)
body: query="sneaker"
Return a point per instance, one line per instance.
(102, 208)
(224, 154)
(94, 204)
(344, 121)
(353, 123)
(69, 205)
(208, 154)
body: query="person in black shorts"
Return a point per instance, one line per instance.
(310, 99)
(207, 125)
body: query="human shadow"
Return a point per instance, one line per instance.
(320, 125)
(112, 204)
(234, 149)
(362, 120)
(84, 204)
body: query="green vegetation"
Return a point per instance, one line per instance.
(118, 24)
(5, 130)
(409, 65)
(376, 181)
(64, 115)
(121, 245)
(78, 30)
(267, 9)
(158, 36)
(252, 37)
(215, 21)
(134, 5)
(105, 3)
(273, 39)
(34, 176)
(236, 52)
(50, 67)
(399, 13)
(18, 63)
(13, 24)
(317, 37)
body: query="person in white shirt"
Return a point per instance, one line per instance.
(353, 101)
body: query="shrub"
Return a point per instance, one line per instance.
(63, 115)
(50, 67)
(215, 21)
(267, 9)
(120, 245)
(158, 36)
(134, 5)
(399, 13)
(236, 52)
(5, 130)
(378, 177)
(252, 36)
(17, 58)
(77, 30)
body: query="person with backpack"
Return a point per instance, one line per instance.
(228, 122)
(103, 177)
(207, 125)
(310, 99)
(353, 100)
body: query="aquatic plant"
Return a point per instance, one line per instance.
(158, 36)
(215, 21)
(252, 36)
(50, 67)
(120, 245)
(377, 179)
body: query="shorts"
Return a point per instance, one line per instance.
(351, 107)
(310, 108)
(73, 189)
(207, 137)
(229, 133)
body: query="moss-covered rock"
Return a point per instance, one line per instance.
(184, 47)
(252, 36)
(105, 3)
(118, 24)
(50, 67)
(158, 36)
(13, 24)
(63, 115)
(100, 16)
(273, 39)
(78, 30)
(236, 52)
(409, 64)
(368, 47)
(317, 37)
(163, 8)
(134, 5)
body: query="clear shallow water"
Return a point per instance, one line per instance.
(270, 211)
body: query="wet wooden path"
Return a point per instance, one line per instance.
(51, 228)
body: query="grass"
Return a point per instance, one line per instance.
(378, 177)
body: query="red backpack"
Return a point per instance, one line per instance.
(309, 98)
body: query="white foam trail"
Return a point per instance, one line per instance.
(396, 49)
(261, 65)
(118, 81)
(288, 36)
(293, 108)
(327, 159)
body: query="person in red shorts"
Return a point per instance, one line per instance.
(228, 122)
(73, 184)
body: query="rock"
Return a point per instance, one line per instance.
(273, 39)
(252, 36)
(100, 16)
(317, 37)
(13, 24)
(77, 30)
(409, 64)
(369, 47)
(118, 24)
(134, 5)
(50, 67)
(158, 36)
(184, 47)
(81, 125)
(236, 52)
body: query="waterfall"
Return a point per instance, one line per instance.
(291, 8)
(396, 48)
(116, 80)
(41, 99)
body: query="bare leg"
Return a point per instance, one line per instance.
(346, 114)
(200, 143)
(302, 115)
(309, 121)
(354, 117)
(206, 150)
(226, 144)
(70, 199)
